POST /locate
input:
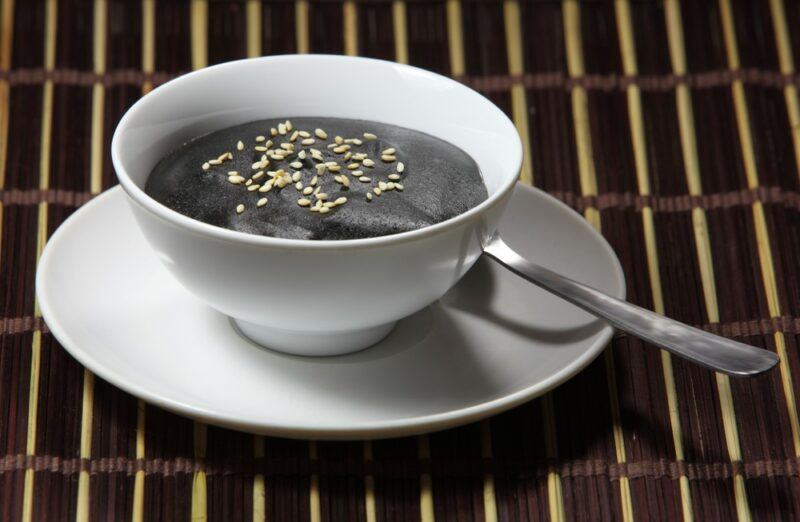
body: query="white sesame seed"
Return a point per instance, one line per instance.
(348, 155)
(296, 164)
(239, 208)
(259, 139)
(353, 166)
(341, 201)
(302, 155)
(248, 182)
(324, 210)
(377, 191)
(390, 186)
(316, 190)
(390, 151)
(368, 163)
(268, 144)
(400, 167)
(346, 181)
(382, 185)
(388, 159)
(370, 136)
(287, 146)
(359, 156)
(206, 166)
(334, 168)
(339, 140)
(239, 145)
(281, 129)
(281, 182)
(259, 148)
(337, 179)
(329, 204)
(273, 132)
(321, 168)
(303, 202)
(308, 141)
(258, 175)
(393, 177)
(253, 188)
(321, 195)
(398, 186)
(233, 173)
(331, 164)
(215, 162)
(236, 180)
(266, 187)
(364, 179)
(222, 157)
(304, 134)
(341, 148)
(299, 186)
(294, 136)
(332, 145)
(357, 173)
(261, 202)
(289, 125)
(308, 190)
(321, 134)
(256, 165)
(369, 196)
(354, 141)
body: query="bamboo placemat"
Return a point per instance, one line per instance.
(673, 127)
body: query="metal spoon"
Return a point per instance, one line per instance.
(703, 348)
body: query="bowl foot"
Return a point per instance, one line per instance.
(315, 344)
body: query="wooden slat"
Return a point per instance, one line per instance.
(400, 27)
(700, 225)
(630, 67)
(199, 53)
(768, 278)
(51, 26)
(253, 14)
(425, 483)
(350, 18)
(588, 181)
(6, 40)
(519, 101)
(301, 26)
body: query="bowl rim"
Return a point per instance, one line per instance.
(173, 217)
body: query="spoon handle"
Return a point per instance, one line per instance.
(706, 349)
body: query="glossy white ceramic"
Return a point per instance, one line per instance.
(320, 297)
(493, 341)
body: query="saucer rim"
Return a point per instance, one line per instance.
(363, 430)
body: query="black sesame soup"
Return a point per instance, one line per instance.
(318, 178)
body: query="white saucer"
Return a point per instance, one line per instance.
(494, 341)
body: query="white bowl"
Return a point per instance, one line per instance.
(320, 297)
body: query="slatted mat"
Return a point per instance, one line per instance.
(674, 127)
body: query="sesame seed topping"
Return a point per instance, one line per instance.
(341, 201)
(353, 166)
(261, 202)
(334, 168)
(287, 146)
(341, 148)
(239, 208)
(388, 159)
(321, 195)
(393, 176)
(281, 129)
(332, 145)
(368, 163)
(299, 186)
(398, 186)
(339, 140)
(302, 155)
(239, 145)
(236, 180)
(303, 202)
(268, 144)
(324, 210)
(346, 181)
(370, 136)
(329, 204)
(305, 134)
(354, 141)
(248, 182)
(223, 157)
(357, 173)
(273, 132)
(215, 162)
(369, 196)
(321, 168)
(253, 188)
(331, 164)
(390, 186)
(296, 164)
(313, 181)
(321, 134)
(377, 191)
(259, 139)
(364, 179)
(308, 190)
(256, 165)
(400, 167)
(266, 187)
(390, 151)
(259, 148)
(382, 185)
(289, 125)
(258, 175)
(348, 155)
(294, 136)
(337, 179)
(308, 141)
(206, 166)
